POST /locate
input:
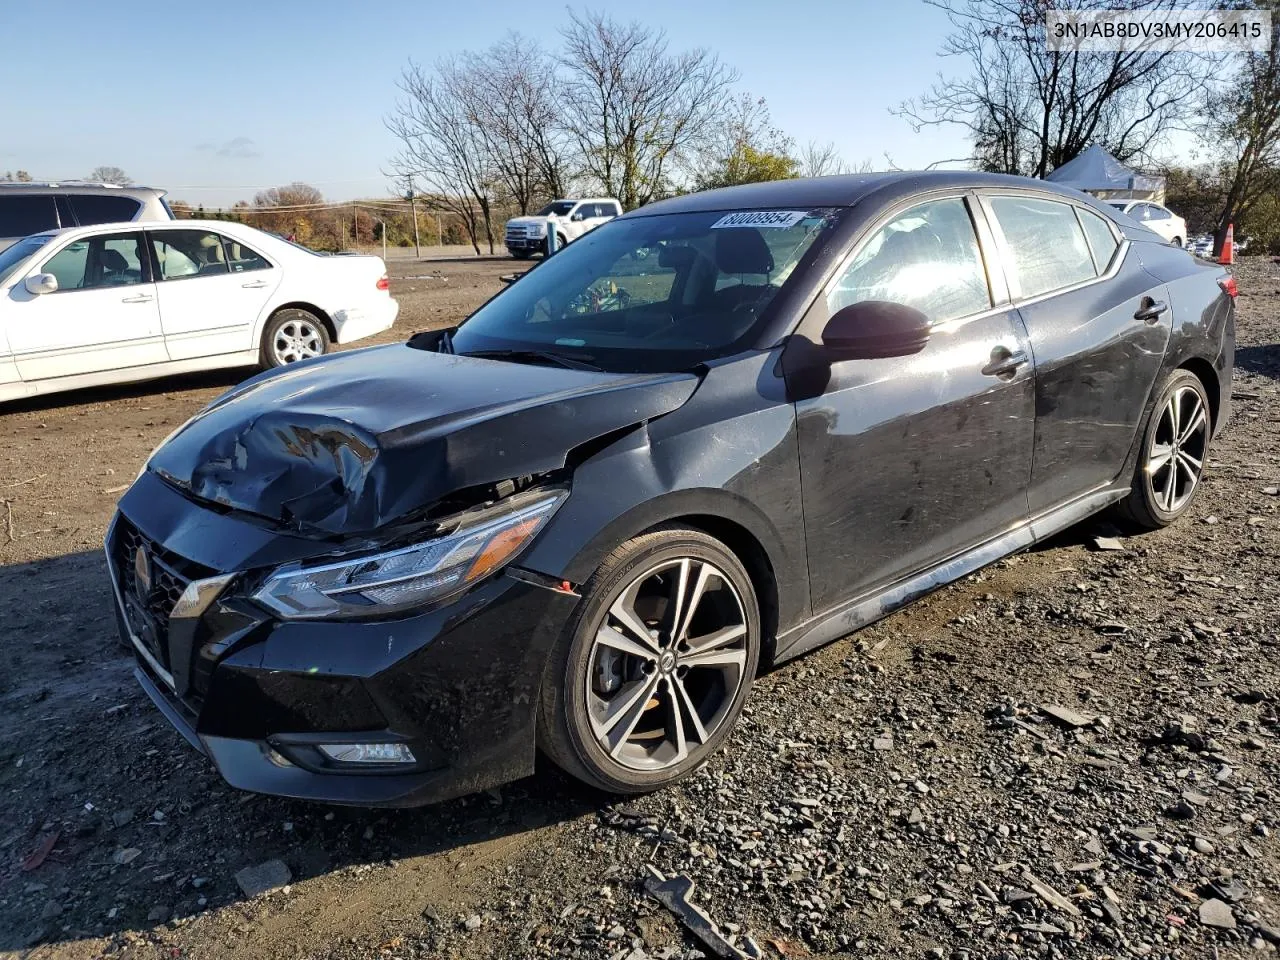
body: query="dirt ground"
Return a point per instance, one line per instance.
(903, 792)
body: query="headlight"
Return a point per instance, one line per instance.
(399, 579)
(538, 228)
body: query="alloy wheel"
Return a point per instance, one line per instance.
(296, 340)
(666, 664)
(1176, 455)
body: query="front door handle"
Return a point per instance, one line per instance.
(140, 298)
(255, 285)
(1150, 310)
(1004, 363)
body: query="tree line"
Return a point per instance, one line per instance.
(1027, 109)
(614, 110)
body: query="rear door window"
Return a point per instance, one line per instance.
(27, 213)
(1045, 244)
(188, 253)
(94, 208)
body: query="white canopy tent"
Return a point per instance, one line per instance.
(1098, 172)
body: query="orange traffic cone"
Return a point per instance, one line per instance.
(1228, 252)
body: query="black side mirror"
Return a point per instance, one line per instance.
(875, 329)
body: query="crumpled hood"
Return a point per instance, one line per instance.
(351, 442)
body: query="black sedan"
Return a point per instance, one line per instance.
(709, 436)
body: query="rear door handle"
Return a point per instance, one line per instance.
(140, 298)
(1150, 310)
(255, 285)
(1004, 362)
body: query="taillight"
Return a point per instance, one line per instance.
(1228, 285)
(385, 284)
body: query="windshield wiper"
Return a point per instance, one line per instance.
(534, 356)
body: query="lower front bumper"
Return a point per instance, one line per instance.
(458, 684)
(255, 766)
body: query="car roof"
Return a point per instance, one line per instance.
(846, 190)
(76, 186)
(215, 225)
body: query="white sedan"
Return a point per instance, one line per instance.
(1159, 220)
(93, 305)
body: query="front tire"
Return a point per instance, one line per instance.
(292, 335)
(1175, 451)
(650, 676)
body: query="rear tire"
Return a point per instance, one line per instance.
(292, 334)
(630, 711)
(1174, 453)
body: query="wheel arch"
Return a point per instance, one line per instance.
(322, 315)
(731, 519)
(1208, 377)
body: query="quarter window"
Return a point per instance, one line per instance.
(91, 209)
(1044, 242)
(114, 260)
(1102, 242)
(189, 253)
(927, 258)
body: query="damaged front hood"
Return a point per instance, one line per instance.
(354, 441)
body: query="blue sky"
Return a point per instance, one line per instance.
(214, 101)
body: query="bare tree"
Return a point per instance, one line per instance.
(284, 209)
(820, 159)
(109, 175)
(442, 144)
(1029, 109)
(510, 92)
(1242, 124)
(638, 114)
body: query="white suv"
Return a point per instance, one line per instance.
(27, 208)
(570, 219)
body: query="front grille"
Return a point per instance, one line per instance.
(147, 606)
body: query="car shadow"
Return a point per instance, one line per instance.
(122, 826)
(201, 380)
(1264, 359)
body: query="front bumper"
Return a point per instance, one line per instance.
(458, 684)
(525, 244)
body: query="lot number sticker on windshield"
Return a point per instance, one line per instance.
(773, 219)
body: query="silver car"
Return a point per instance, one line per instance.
(27, 208)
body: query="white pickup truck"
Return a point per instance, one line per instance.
(569, 218)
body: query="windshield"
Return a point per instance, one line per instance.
(651, 293)
(13, 257)
(559, 208)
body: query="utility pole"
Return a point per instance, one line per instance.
(355, 219)
(413, 206)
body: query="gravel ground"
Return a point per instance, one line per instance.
(1075, 753)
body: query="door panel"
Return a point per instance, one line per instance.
(1096, 364)
(212, 290)
(909, 460)
(906, 461)
(1096, 360)
(102, 317)
(8, 367)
